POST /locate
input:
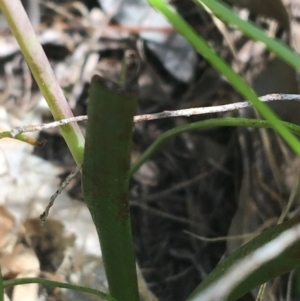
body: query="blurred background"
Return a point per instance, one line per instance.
(210, 184)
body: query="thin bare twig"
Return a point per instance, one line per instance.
(33, 128)
(216, 109)
(66, 182)
(164, 114)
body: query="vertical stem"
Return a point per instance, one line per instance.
(1, 286)
(105, 179)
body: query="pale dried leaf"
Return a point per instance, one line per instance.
(26, 292)
(21, 260)
(7, 225)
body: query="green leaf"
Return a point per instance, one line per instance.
(223, 68)
(251, 30)
(288, 260)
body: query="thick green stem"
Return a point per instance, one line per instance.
(105, 179)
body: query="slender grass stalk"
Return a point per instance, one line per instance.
(1, 286)
(43, 281)
(205, 125)
(223, 68)
(105, 181)
(224, 12)
(40, 67)
(22, 137)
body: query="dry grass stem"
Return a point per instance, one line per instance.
(45, 214)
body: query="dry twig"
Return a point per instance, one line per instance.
(164, 114)
(66, 182)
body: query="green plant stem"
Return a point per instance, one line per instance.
(105, 181)
(223, 68)
(83, 289)
(1, 286)
(40, 67)
(205, 125)
(22, 138)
